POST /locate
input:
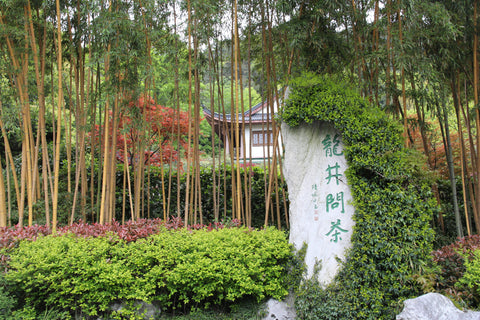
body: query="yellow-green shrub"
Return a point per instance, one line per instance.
(174, 268)
(213, 266)
(71, 273)
(470, 282)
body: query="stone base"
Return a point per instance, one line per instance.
(434, 306)
(281, 310)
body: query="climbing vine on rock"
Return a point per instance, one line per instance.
(392, 238)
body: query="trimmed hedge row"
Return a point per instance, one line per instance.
(392, 239)
(174, 269)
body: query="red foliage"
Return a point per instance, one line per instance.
(437, 159)
(157, 131)
(452, 262)
(130, 231)
(9, 237)
(247, 165)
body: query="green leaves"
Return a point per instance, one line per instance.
(175, 268)
(69, 272)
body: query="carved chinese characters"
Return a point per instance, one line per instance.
(320, 199)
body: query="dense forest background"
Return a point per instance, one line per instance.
(101, 101)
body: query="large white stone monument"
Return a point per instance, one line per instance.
(321, 213)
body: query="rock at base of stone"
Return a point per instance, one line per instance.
(281, 310)
(148, 311)
(434, 306)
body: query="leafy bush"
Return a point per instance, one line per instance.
(7, 301)
(313, 299)
(70, 273)
(181, 268)
(470, 282)
(452, 260)
(213, 267)
(392, 238)
(129, 231)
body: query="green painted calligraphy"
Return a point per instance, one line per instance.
(334, 202)
(335, 174)
(335, 228)
(331, 147)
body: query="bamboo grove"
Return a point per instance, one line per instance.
(71, 72)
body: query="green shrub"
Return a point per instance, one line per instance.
(7, 301)
(451, 260)
(174, 269)
(10, 310)
(71, 273)
(470, 282)
(215, 266)
(392, 238)
(29, 313)
(313, 300)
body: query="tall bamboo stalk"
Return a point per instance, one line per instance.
(237, 64)
(59, 119)
(475, 95)
(9, 156)
(39, 63)
(473, 162)
(388, 63)
(3, 203)
(402, 75)
(188, 176)
(463, 166)
(103, 215)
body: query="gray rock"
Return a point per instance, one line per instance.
(281, 310)
(147, 310)
(434, 306)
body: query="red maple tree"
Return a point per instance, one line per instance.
(161, 133)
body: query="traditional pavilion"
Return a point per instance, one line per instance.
(256, 134)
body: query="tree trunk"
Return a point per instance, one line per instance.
(443, 114)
